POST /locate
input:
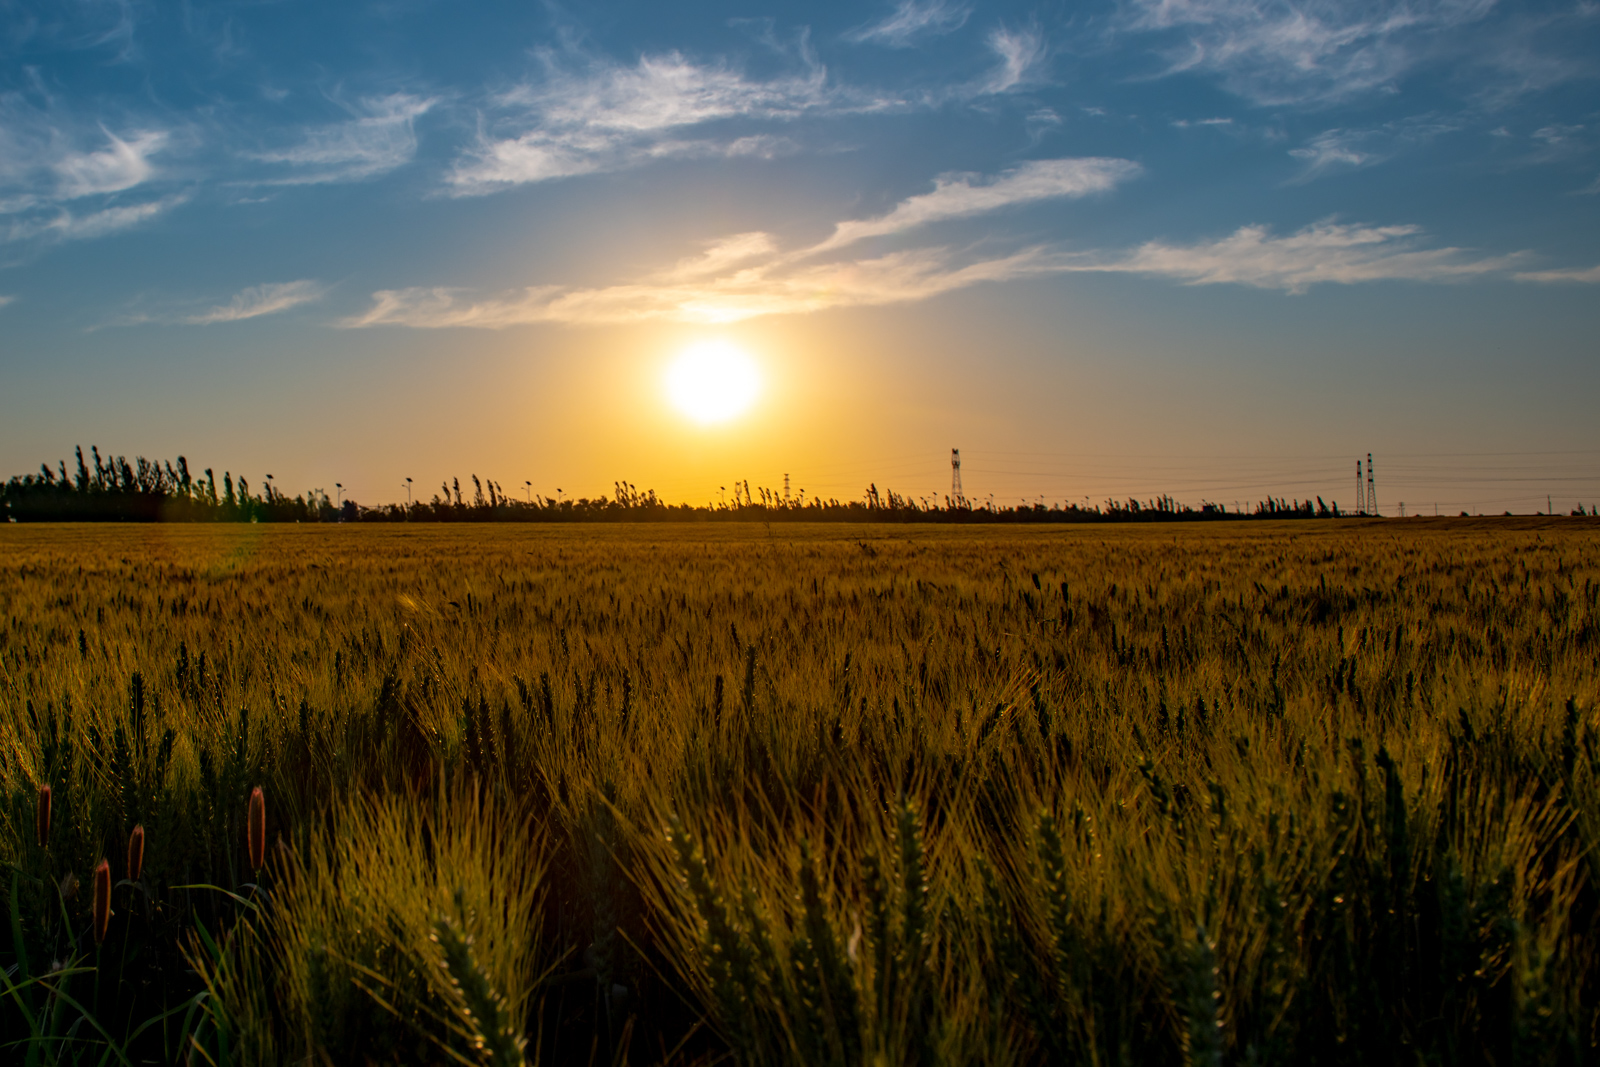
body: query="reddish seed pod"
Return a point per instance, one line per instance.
(136, 853)
(102, 900)
(256, 830)
(42, 816)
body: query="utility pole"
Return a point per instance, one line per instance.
(528, 485)
(408, 492)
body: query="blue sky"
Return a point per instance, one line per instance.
(1217, 248)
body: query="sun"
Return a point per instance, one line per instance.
(713, 381)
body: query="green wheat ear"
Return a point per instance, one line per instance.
(728, 962)
(1203, 1006)
(913, 981)
(1541, 1032)
(914, 880)
(1018, 974)
(879, 892)
(1053, 870)
(494, 1037)
(834, 973)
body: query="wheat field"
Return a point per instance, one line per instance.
(1265, 793)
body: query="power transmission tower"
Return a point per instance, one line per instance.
(785, 488)
(955, 477)
(1372, 492)
(1361, 494)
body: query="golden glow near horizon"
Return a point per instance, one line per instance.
(713, 381)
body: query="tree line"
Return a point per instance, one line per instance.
(113, 489)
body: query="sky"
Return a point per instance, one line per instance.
(1217, 249)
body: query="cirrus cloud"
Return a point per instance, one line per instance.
(1021, 53)
(1567, 275)
(62, 179)
(260, 300)
(1323, 253)
(1276, 52)
(607, 117)
(1339, 149)
(748, 275)
(896, 278)
(379, 137)
(121, 164)
(745, 277)
(911, 20)
(62, 224)
(962, 196)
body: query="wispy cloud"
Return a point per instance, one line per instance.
(4, 299)
(722, 254)
(1298, 51)
(911, 20)
(1557, 134)
(1040, 122)
(64, 180)
(109, 220)
(49, 153)
(900, 277)
(379, 137)
(61, 224)
(249, 303)
(1021, 53)
(965, 195)
(608, 117)
(1579, 275)
(745, 277)
(122, 164)
(1324, 253)
(1340, 149)
(1331, 149)
(1535, 48)
(587, 115)
(260, 300)
(1557, 142)
(748, 275)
